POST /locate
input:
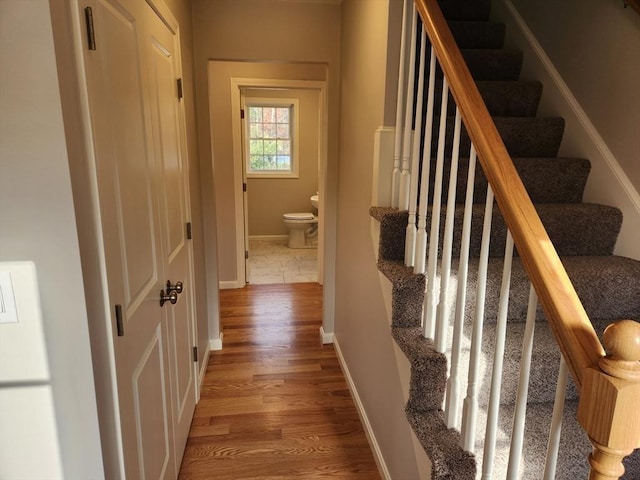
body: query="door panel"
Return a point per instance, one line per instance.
(164, 68)
(149, 380)
(127, 176)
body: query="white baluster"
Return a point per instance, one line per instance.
(421, 236)
(470, 407)
(453, 393)
(408, 112)
(410, 237)
(517, 433)
(442, 318)
(498, 361)
(553, 446)
(432, 259)
(395, 181)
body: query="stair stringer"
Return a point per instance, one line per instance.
(436, 447)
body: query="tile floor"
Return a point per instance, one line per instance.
(272, 261)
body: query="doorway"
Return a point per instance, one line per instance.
(281, 151)
(264, 200)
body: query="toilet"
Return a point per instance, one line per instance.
(303, 229)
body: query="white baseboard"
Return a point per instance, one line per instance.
(325, 337)
(216, 343)
(368, 430)
(203, 369)
(231, 284)
(268, 238)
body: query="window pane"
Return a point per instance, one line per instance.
(256, 162)
(256, 147)
(284, 146)
(284, 162)
(269, 114)
(269, 147)
(269, 130)
(255, 130)
(255, 114)
(283, 130)
(283, 115)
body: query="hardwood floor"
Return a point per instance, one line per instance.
(274, 403)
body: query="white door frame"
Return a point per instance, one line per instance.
(237, 84)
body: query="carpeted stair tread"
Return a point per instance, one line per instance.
(607, 286)
(522, 136)
(473, 34)
(574, 444)
(547, 180)
(465, 10)
(448, 460)
(577, 229)
(574, 229)
(393, 225)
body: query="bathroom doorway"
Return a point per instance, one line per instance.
(283, 180)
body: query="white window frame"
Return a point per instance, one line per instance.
(292, 104)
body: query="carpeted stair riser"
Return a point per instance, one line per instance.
(522, 136)
(464, 10)
(502, 98)
(408, 292)
(547, 180)
(483, 35)
(491, 64)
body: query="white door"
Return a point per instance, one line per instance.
(168, 120)
(139, 185)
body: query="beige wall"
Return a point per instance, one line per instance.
(361, 326)
(595, 45)
(269, 198)
(235, 30)
(38, 224)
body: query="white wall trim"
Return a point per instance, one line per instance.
(215, 344)
(203, 368)
(368, 430)
(325, 337)
(231, 284)
(606, 170)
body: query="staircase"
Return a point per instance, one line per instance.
(583, 234)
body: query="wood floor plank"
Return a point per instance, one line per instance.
(274, 403)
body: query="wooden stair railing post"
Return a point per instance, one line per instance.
(609, 408)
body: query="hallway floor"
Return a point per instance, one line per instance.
(275, 403)
(272, 261)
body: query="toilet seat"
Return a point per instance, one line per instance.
(299, 216)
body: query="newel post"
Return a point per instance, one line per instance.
(609, 408)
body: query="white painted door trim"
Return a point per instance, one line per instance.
(236, 85)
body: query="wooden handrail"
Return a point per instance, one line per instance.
(635, 4)
(568, 320)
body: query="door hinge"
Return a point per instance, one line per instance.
(242, 113)
(91, 36)
(195, 354)
(119, 325)
(246, 254)
(244, 186)
(189, 234)
(179, 82)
